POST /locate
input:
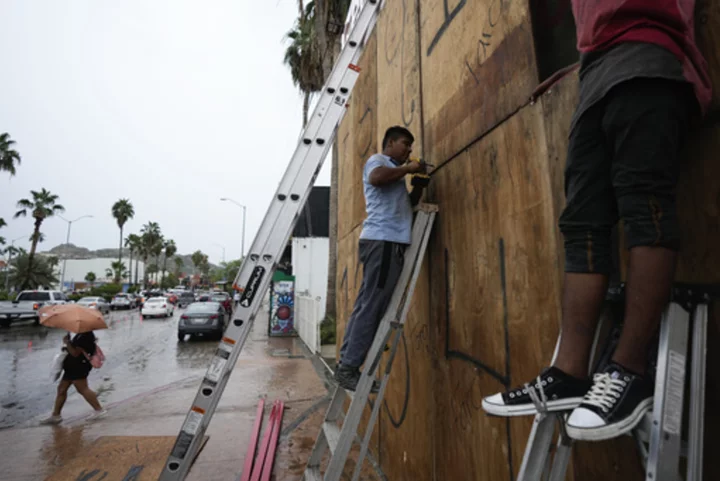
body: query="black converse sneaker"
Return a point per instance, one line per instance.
(553, 389)
(615, 404)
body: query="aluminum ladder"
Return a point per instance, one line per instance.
(659, 434)
(270, 241)
(340, 439)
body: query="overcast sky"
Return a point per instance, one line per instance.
(169, 103)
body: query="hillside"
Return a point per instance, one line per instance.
(76, 252)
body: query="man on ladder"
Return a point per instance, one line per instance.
(385, 235)
(642, 81)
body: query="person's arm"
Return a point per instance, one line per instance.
(387, 175)
(72, 350)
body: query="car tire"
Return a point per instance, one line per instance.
(181, 337)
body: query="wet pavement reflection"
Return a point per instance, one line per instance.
(141, 355)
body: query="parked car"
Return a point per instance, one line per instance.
(26, 305)
(185, 298)
(98, 303)
(157, 307)
(224, 299)
(123, 301)
(203, 319)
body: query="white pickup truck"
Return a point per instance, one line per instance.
(26, 305)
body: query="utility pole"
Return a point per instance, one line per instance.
(67, 241)
(244, 208)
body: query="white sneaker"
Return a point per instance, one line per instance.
(51, 420)
(97, 415)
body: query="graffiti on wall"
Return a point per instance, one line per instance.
(282, 309)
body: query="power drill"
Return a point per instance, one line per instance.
(423, 179)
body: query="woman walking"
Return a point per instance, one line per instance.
(76, 368)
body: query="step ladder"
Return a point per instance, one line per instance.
(659, 434)
(271, 239)
(339, 440)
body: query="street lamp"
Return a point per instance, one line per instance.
(242, 254)
(7, 267)
(67, 241)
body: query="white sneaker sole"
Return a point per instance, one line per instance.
(530, 409)
(611, 431)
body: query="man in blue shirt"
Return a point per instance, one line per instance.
(385, 235)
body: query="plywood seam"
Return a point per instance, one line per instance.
(351, 231)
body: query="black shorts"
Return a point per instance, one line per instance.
(622, 163)
(75, 374)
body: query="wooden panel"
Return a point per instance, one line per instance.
(349, 278)
(495, 306)
(478, 67)
(405, 428)
(348, 187)
(399, 71)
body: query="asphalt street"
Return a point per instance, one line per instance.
(141, 355)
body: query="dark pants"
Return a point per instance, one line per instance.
(382, 264)
(622, 164)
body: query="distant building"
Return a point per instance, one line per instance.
(77, 269)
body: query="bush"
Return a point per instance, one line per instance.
(107, 291)
(75, 297)
(328, 328)
(4, 296)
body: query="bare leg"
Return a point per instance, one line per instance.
(650, 278)
(62, 390)
(583, 295)
(89, 395)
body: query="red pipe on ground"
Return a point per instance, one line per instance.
(250, 456)
(258, 467)
(270, 457)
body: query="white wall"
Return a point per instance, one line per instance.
(310, 267)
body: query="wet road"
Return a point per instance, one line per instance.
(140, 355)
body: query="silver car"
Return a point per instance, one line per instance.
(98, 303)
(122, 301)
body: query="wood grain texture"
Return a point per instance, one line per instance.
(478, 67)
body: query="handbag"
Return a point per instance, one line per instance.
(56, 366)
(97, 359)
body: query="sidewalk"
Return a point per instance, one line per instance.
(274, 368)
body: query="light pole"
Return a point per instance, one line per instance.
(223, 248)
(242, 253)
(67, 241)
(7, 267)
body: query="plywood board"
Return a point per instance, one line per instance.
(496, 307)
(349, 279)
(478, 67)
(348, 187)
(398, 67)
(117, 458)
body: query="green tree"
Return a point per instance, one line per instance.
(134, 245)
(122, 211)
(170, 250)
(119, 270)
(32, 275)
(8, 156)
(151, 238)
(170, 281)
(90, 278)
(303, 56)
(42, 206)
(179, 264)
(2, 224)
(197, 260)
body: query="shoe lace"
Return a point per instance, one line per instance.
(605, 391)
(540, 401)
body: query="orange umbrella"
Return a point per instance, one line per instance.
(72, 317)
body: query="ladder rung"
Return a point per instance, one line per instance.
(313, 474)
(332, 435)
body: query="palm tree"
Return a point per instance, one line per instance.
(134, 244)
(197, 260)
(170, 250)
(179, 263)
(90, 277)
(303, 56)
(151, 237)
(39, 274)
(123, 211)
(42, 206)
(119, 269)
(8, 156)
(2, 224)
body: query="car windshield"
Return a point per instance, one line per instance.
(34, 296)
(155, 300)
(88, 299)
(203, 307)
(218, 298)
(121, 296)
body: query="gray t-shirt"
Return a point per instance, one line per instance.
(389, 212)
(601, 71)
